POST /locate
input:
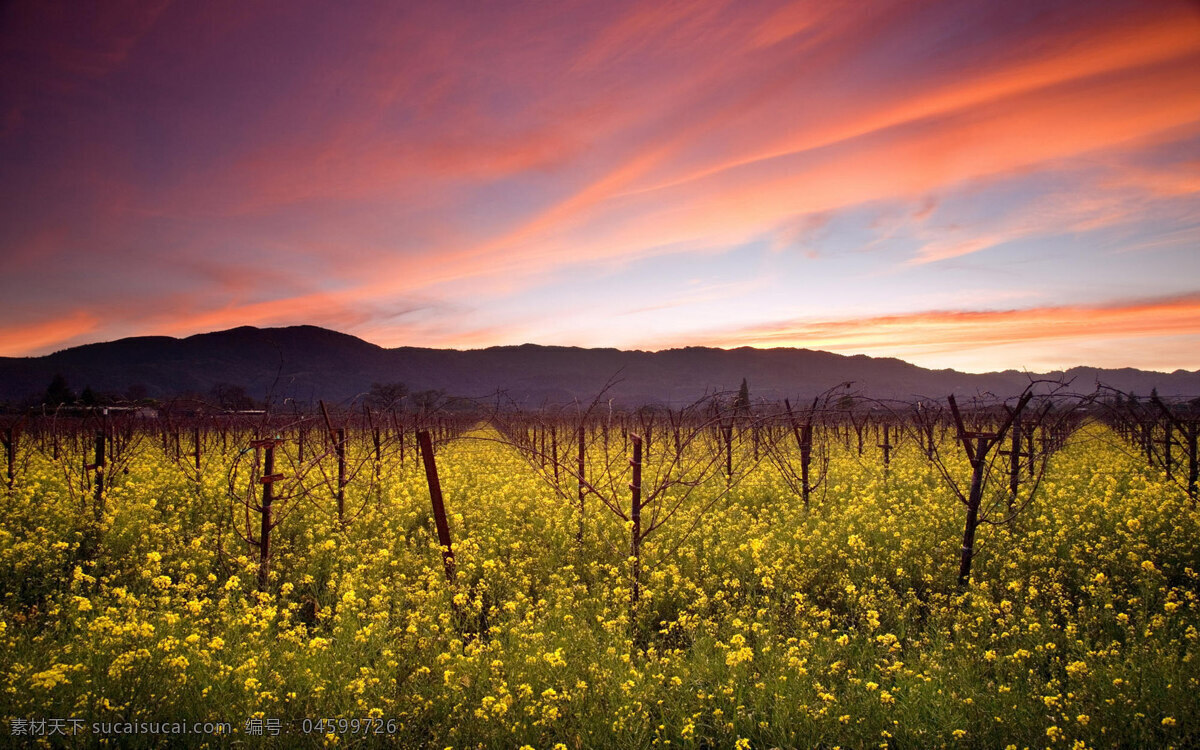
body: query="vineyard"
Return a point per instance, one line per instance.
(837, 573)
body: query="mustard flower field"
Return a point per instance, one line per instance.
(759, 623)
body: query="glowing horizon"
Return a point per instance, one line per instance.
(956, 184)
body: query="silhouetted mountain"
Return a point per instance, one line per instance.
(306, 363)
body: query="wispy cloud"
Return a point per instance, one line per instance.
(44, 336)
(176, 168)
(930, 334)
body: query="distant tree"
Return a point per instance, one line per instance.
(89, 397)
(427, 401)
(741, 402)
(231, 397)
(58, 392)
(386, 396)
(137, 392)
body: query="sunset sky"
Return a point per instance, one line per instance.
(977, 185)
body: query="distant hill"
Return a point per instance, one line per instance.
(307, 363)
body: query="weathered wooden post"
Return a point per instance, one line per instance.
(1147, 440)
(98, 467)
(554, 450)
(439, 507)
(1192, 429)
(727, 432)
(10, 448)
(1031, 453)
(266, 508)
(1014, 463)
(635, 515)
(340, 449)
(582, 490)
(803, 435)
(1167, 438)
(377, 442)
(887, 448)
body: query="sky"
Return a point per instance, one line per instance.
(976, 185)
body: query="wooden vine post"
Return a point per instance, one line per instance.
(98, 468)
(10, 449)
(1191, 434)
(266, 507)
(377, 445)
(1015, 454)
(635, 516)
(439, 507)
(1167, 461)
(582, 488)
(554, 450)
(338, 438)
(340, 448)
(727, 433)
(1189, 430)
(887, 448)
(804, 442)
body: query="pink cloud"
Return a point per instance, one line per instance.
(46, 335)
(938, 332)
(441, 153)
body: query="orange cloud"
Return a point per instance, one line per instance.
(422, 153)
(1136, 85)
(1051, 97)
(920, 335)
(1171, 32)
(23, 340)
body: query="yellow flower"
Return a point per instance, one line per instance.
(47, 680)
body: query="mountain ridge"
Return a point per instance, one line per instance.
(309, 362)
